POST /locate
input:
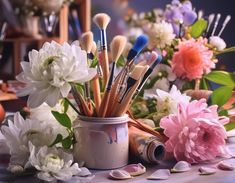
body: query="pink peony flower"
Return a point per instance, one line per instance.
(192, 59)
(196, 132)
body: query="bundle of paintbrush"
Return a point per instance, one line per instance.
(112, 96)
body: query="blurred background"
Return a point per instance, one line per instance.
(27, 24)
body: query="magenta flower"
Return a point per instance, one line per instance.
(196, 132)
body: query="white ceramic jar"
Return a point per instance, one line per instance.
(102, 143)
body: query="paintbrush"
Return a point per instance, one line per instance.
(87, 41)
(216, 24)
(84, 109)
(227, 19)
(95, 50)
(150, 59)
(102, 20)
(148, 73)
(117, 46)
(120, 106)
(138, 46)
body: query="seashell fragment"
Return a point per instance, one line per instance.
(181, 166)
(225, 166)
(161, 174)
(119, 174)
(204, 170)
(135, 169)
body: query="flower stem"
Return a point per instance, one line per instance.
(70, 103)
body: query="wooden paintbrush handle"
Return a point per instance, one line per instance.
(105, 65)
(104, 104)
(113, 94)
(122, 107)
(84, 105)
(96, 92)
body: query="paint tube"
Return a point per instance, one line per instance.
(146, 146)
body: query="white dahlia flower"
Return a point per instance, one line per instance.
(50, 71)
(18, 134)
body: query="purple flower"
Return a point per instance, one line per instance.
(177, 12)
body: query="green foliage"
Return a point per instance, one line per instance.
(63, 119)
(221, 77)
(198, 28)
(230, 126)
(204, 84)
(94, 62)
(66, 105)
(223, 113)
(57, 140)
(67, 142)
(226, 50)
(221, 95)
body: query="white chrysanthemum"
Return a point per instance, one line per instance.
(160, 35)
(217, 42)
(53, 164)
(167, 102)
(50, 70)
(20, 133)
(43, 113)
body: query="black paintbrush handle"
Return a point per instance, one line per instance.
(110, 82)
(130, 83)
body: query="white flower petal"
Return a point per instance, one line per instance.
(181, 166)
(65, 89)
(45, 176)
(161, 174)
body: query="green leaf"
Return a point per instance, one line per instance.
(221, 77)
(226, 50)
(223, 113)
(94, 63)
(67, 142)
(229, 126)
(66, 105)
(221, 95)
(198, 28)
(57, 140)
(62, 118)
(204, 84)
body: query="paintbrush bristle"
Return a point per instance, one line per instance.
(138, 71)
(117, 46)
(87, 41)
(94, 48)
(101, 20)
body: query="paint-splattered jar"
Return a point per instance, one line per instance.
(102, 143)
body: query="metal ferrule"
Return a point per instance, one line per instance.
(103, 42)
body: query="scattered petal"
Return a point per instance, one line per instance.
(15, 169)
(181, 166)
(120, 174)
(225, 166)
(84, 172)
(161, 174)
(204, 170)
(135, 169)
